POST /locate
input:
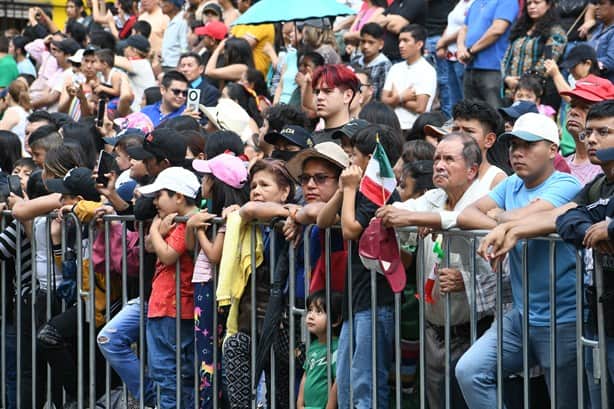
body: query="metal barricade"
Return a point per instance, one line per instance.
(296, 311)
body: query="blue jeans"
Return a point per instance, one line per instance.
(162, 366)
(11, 366)
(594, 389)
(442, 75)
(477, 368)
(360, 364)
(114, 342)
(456, 71)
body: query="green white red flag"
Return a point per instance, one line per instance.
(379, 181)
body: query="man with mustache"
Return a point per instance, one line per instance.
(534, 187)
(455, 174)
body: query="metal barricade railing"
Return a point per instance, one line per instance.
(295, 312)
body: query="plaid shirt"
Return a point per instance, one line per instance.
(377, 69)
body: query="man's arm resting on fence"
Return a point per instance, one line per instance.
(475, 215)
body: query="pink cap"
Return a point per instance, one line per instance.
(214, 29)
(227, 168)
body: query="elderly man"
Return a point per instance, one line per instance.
(455, 174)
(536, 186)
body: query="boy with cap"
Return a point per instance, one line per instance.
(137, 66)
(175, 191)
(288, 142)
(175, 39)
(535, 186)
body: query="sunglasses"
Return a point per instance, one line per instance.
(318, 178)
(182, 92)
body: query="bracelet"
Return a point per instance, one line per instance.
(469, 51)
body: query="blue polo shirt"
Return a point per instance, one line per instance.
(153, 112)
(558, 189)
(481, 15)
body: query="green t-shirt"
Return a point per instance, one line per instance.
(8, 70)
(315, 391)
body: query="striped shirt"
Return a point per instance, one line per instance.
(8, 250)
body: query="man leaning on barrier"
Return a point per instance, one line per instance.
(505, 236)
(535, 187)
(455, 174)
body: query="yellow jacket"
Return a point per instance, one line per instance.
(235, 267)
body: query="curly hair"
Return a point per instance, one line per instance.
(543, 26)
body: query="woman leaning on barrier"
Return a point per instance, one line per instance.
(271, 188)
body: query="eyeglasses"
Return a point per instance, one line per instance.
(318, 178)
(602, 132)
(182, 92)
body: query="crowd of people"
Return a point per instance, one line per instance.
(475, 114)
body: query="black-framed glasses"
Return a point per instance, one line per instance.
(182, 92)
(318, 178)
(602, 132)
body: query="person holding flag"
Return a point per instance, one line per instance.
(448, 264)
(373, 148)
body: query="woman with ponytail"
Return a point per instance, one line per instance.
(15, 103)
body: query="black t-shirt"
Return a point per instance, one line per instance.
(605, 190)
(414, 11)
(437, 16)
(326, 135)
(361, 277)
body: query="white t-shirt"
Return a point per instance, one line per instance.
(456, 19)
(141, 78)
(42, 257)
(421, 76)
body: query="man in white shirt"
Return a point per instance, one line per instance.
(410, 85)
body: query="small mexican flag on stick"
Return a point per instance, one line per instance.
(379, 181)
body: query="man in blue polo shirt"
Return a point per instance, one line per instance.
(534, 187)
(482, 42)
(174, 90)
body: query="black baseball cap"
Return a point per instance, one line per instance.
(579, 54)
(77, 182)
(113, 140)
(296, 135)
(139, 42)
(67, 46)
(351, 128)
(160, 143)
(214, 7)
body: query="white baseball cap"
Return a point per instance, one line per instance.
(533, 127)
(176, 179)
(229, 116)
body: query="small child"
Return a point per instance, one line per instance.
(530, 88)
(109, 77)
(175, 191)
(224, 184)
(314, 392)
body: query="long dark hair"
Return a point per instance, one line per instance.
(543, 26)
(238, 93)
(238, 51)
(223, 195)
(10, 150)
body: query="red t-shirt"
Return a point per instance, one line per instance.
(162, 302)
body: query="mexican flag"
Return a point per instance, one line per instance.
(379, 181)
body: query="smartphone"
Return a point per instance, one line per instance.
(548, 52)
(102, 106)
(106, 164)
(193, 102)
